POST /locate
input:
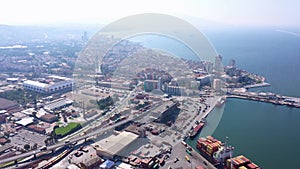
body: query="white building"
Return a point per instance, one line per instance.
(174, 90)
(217, 85)
(56, 84)
(204, 80)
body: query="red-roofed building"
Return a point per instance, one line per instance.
(199, 167)
(37, 129)
(3, 141)
(50, 118)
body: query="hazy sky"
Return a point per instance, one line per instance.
(237, 12)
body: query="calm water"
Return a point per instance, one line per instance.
(269, 135)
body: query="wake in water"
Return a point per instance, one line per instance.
(288, 32)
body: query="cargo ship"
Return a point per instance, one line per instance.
(214, 150)
(220, 155)
(240, 162)
(196, 130)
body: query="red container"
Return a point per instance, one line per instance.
(252, 166)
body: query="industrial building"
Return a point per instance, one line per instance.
(9, 106)
(164, 112)
(52, 84)
(112, 146)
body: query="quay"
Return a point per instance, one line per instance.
(266, 97)
(264, 84)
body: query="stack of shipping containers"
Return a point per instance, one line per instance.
(240, 162)
(207, 146)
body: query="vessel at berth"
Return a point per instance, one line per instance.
(196, 130)
(214, 150)
(220, 154)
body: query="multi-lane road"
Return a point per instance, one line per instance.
(74, 140)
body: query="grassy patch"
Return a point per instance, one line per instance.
(70, 128)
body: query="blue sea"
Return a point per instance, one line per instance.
(269, 135)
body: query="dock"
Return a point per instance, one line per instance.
(266, 97)
(264, 84)
(194, 159)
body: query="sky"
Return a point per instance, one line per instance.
(233, 12)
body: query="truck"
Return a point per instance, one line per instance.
(187, 159)
(43, 148)
(189, 152)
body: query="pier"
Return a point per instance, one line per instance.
(264, 84)
(266, 97)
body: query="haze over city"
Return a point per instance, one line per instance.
(230, 12)
(136, 84)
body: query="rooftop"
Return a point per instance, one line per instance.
(36, 83)
(58, 104)
(6, 104)
(58, 77)
(116, 143)
(25, 121)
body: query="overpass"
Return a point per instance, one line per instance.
(74, 140)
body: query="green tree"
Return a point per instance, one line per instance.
(105, 103)
(26, 147)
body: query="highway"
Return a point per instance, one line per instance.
(73, 140)
(84, 137)
(91, 124)
(55, 146)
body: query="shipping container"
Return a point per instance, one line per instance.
(242, 167)
(252, 166)
(240, 162)
(183, 143)
(150, 164)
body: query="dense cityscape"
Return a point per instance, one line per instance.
(119, 116)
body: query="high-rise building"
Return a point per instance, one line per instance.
(232, 63)
(150, 85)
(84, 37)
(218, 65)
(174, 90)
(217, 85)
(159, 83)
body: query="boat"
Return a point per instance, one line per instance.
(196, 129)
(220, 155)
(221, 101)
(214, 150)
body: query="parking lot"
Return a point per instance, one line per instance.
(27, 137)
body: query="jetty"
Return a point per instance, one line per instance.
(266, 97)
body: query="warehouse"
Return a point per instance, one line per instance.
(112, 146)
